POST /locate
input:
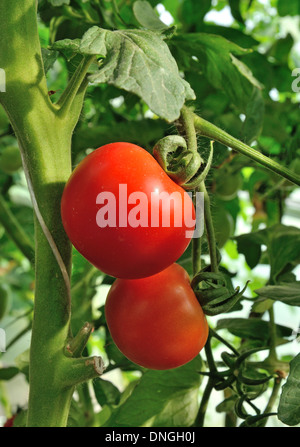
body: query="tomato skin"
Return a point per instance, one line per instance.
(156, 322)
(122, 251)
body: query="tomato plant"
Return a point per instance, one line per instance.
(157, 321)
(111, 232)
(114, 320)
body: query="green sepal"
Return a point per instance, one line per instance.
(176, 159)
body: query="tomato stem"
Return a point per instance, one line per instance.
(199, 421)
(209, 227)
(67, 105)
(187, 118)
(44, 138)
(209, 130)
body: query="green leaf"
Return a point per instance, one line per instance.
(288, 8)
(250, 246)
(69, 48)
(59, 2)
(106, 392)
(245, 71)
(49, 57)
(283, 247)
(8, 372)
(235, 11)
(215, 56)
(147, 17)
(289, 409)
(139, 62)
(286, 293)
(252, 328)
(161, 399)
(226, 405)
(193, 12)
(253, 123)
(281, 49)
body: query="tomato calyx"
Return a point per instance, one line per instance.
(215, 294)
(183, 165)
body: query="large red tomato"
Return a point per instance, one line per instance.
(111, 212)
(156, 322)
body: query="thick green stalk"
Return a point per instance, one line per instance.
(44, 134)
(209, 130)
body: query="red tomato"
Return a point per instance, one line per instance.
(156, 322)
(118, 237)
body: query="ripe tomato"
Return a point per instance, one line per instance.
(112, 228)
(156, 322)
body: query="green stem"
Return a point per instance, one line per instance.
(15, 231)
(272, 353)
(209, 130)
(66, 101)
(44, 136)
(210, 232)
(273, 398)
(199, 421)
(187, 118)
(187, 121)
(196, 253)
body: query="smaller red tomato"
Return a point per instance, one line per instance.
(157, 322)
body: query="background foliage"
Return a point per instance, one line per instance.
(237, 58)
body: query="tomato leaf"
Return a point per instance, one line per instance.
(68, 47)
(286, 293)
(289, 409)
(106, 392)
(235, 11)
(253, 123)
(161, 399)
(290, 8)
(49, 57)
(139, 62)
(59, 2)
(252, 328)
(8, 372)
(147, 17)
(216, 57)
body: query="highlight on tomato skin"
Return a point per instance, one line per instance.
(157, 322)
(116, 246)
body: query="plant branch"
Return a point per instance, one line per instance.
(209, 130)
(187, 118)
(77, 83)
(199, 421)
(210, 231)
